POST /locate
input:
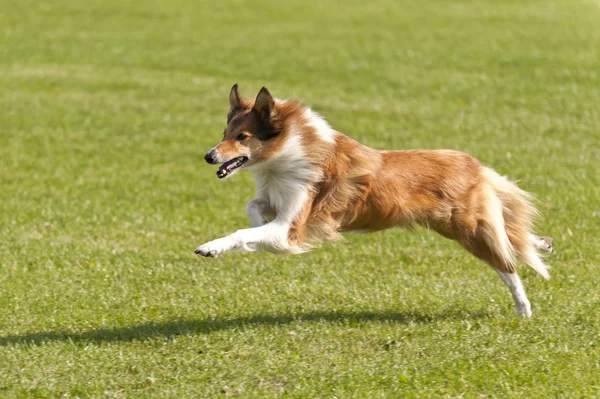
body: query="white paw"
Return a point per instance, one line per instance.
(524, 311)
(214, 248)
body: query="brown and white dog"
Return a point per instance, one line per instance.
(312, 183)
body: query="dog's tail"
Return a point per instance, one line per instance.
(511, 215)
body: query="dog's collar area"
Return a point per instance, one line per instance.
(228, 167)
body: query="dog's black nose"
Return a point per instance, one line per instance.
(209, 157)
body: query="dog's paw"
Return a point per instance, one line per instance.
(214, 248)
(206, 252)
(547, 243)
(543, 243)
(524, 312)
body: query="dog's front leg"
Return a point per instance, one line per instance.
(272, 236)
(257, 209)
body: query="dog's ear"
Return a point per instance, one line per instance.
(269, 123)
(235, 101)
(264, 105)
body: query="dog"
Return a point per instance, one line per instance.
(313, 183)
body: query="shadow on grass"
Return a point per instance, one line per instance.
(176, 328)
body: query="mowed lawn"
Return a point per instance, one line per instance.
(106, 110)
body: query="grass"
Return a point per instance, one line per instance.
(106, 109)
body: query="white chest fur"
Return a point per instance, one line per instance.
(283, 181)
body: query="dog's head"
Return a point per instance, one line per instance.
(252, 135)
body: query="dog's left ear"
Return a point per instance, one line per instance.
(264, 105)
(269, 123)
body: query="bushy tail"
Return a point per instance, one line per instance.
(518, 213)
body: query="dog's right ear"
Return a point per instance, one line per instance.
(235, 102)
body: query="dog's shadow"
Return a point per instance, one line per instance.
(171, 329)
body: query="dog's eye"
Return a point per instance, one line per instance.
(241, 137)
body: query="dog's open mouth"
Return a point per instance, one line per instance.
(230, 166)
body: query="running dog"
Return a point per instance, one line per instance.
(312, 183)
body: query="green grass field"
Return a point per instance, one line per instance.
(106, 110)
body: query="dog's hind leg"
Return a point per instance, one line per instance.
(510, 277)
(514, 284)
(504, 268)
